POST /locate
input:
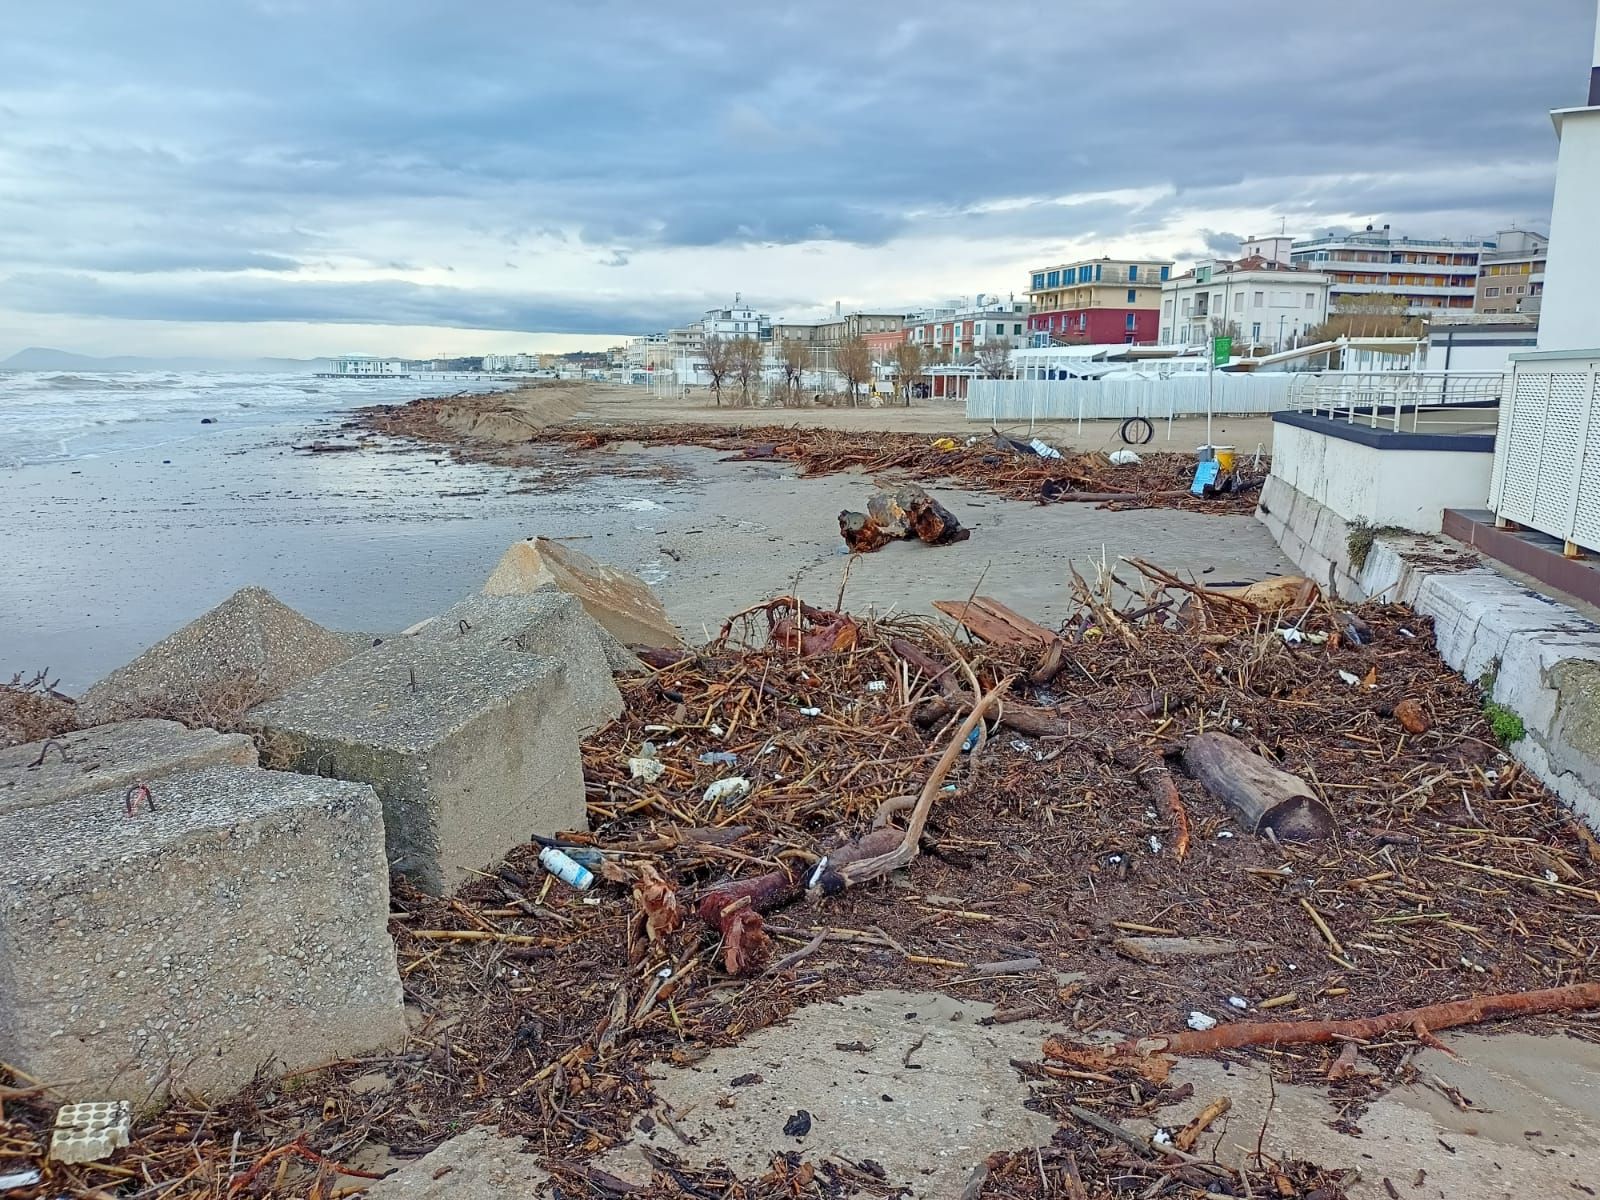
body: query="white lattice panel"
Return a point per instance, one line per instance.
(1547, 455)
(1519, 446)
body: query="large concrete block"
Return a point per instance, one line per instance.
(621, 602)
(112, 756)
(242, 920)
(250, 648)
(470, 751)
(547, 622)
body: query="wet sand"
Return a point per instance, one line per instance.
(111, 555)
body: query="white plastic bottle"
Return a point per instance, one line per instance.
(565, 869)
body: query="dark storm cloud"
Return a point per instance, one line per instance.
(269, 134)
(372, 302)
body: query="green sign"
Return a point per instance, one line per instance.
(1221, 351)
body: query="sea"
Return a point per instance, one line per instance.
(50, 416)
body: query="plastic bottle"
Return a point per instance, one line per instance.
(565, 869)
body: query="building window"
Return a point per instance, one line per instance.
(1054, 279)
(1132, 320)
(1260, 300)
(1186, 306)
(1016, 329)
(1255, 331)
(1521, 289)
(1311, 299)
(1166, 274)
(1096, 272)
(1133, 274)
(1238, 302)
(1133, 296)
(1492, 292)
(1038, 282)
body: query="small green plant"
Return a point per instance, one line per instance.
(1507, 726)
(1359, 540)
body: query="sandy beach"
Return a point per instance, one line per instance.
(117, 551)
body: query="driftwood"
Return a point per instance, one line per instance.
(991, 621)
(1174, 949)
(1258, 793)
(1146, 1054)
(1034, 722)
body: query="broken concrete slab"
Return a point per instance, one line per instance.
(547, 622)
(621, 602)
(112, 756)
(250, 648)
(236, 918)
(470, 752)
(1531, 1128)
(928, 1112)
(477, 1165)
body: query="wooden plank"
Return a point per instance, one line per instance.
(988, 620)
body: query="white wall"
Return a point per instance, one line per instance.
(1099, 399)
(1405, 488)
(1569, 317)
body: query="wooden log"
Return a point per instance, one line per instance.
(1258, 793)
(1025, 719)
(988, 620)
(1158, 950)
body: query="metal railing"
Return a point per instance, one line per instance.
(1396, 400)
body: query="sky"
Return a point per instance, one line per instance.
(308, 177)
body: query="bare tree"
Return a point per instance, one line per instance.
(745, 356)
(907, 368)
(852, 359)
(1380, 314)
(1222, 327)
(794, 356)
(718, 353)
(994, 358)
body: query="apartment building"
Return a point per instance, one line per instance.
(1100, 302)
(510, 362)
(1258, 301)
(952, 332)
(1511, 277)
(1427, 273)
(738, 321)
(883, 329)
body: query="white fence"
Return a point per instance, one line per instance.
(1117, 399)
(1388, 399)
(1547, 454)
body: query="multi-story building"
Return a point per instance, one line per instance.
(952, 332)
(1427, 273)
(367, 366)
(1511, 277)
(881, 331)
(1259, 301)
(739, 321)
(511, 362)
(1099, 302)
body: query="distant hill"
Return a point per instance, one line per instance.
(41, 358)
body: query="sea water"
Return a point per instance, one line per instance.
(48, 416)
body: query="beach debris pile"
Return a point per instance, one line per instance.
(33, 708)
(900, 514)
(995, 463)
(1038, 819)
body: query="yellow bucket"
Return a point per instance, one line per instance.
(1224, 459)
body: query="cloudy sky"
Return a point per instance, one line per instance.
(316, 176)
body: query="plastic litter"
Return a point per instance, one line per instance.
(1352, 680)
(1124, 458)
(1294, 636)
(945, 443)
(810, 712)
(90, 1132)
(725, 758)
(566, 869)
(1044, 449)
(1239, 1002)
(724, 790)
(1200, 1022)
(645, 765)
(878, 685)
(20, 1179)
(972, 740)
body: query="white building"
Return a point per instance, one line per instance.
(366, 366)
(1428, 273)
(956, 328)
(738, 321)
(1259, 301)
(511, 362)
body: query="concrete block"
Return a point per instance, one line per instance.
(250, 648)
(478, 1165)
(1477, 612)
(546, 622)
(621, 602)
(469, 752)
(242, 920)
(112, 756)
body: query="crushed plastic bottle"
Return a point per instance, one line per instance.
(646, 765)
(566, 869)
(724, 790)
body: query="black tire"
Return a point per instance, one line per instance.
(1133, 428)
